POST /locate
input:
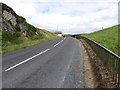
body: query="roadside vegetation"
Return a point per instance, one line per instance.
(107, 38)
(11, 43)
(16, 33)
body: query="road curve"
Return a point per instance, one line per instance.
(55, 64)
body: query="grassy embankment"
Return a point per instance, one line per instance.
(107, 38)
(10, 43)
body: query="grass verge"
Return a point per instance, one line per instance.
(26, 43)
(12, 43)
(107, 38)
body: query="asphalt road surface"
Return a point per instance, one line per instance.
(55, 64)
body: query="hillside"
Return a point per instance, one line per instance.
(17, 33)
(107, 37)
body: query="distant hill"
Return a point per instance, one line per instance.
(106, 37)
(17, 33)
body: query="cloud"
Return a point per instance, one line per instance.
(68, 16)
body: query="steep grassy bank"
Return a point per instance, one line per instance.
(23, 42)
(17, 33)
(107, 37)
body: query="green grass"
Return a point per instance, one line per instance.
(107, 38)
(26, 43)
(11, 43)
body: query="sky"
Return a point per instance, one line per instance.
(68, 16)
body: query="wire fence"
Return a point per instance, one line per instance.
(110, 60)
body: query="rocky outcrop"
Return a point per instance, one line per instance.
(9, 17)
(16, 33)
(13, 23)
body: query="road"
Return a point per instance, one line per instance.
(55, 64)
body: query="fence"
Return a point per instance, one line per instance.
(110, 60)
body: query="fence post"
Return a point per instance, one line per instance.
(118, 72)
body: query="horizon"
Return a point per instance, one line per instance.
(68, 17)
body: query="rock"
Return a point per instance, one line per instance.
(9, 16)
(13, 23)
(23, 27)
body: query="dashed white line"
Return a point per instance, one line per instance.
(32, 57)
(59, 42)
(26, 60)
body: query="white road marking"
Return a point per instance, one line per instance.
(59, 42)
(32, 57)
(26, 60)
